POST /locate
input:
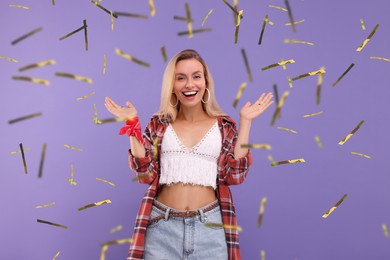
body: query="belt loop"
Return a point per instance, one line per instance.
(166, 217)
(202, 216)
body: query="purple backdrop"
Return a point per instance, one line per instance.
(298, 194)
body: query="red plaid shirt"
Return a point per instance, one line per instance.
(231, 171)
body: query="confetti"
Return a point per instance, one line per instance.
(42, 161)
(53, 2)
(51, 223)
(38, 64)
(95, 204)
(262, 253)
(218, 225)
(118, 242)
(155, 148)
(282, 63)
(360, 48)
(342, 75)
(194, 31)
(181, 18)
(116, 229)
(152, 8)
(95, 118)
(26, 35)
(361, 154)
(239, 93)
(297, 41)
(86, 96)
(232, 8)
(248, 69)
(321, 70)
(20, 6)
(104, 64)
(238, 25)
(33, 80)
(279, 107)
(164, 54)
(319, 143)
(276, 93)
(75, 77)
(139, 177)
(297, 22)
(108, 182)
(334, 207)
(278, 7)
(110, 120)
(385, 231)
(9, 59)
(319, 85)
(362, 24)
(235, 7)
(207, 16)
(73, 148)
(287, 129)
(290, 16)
(23, 158)
(262, 29)
(19, 151)
(104, 9)
(261, 213)
(85, 34)
(45, 205)
(379, 58)
(131, 58)
(289, 82)
(23, 118)
(288, 162)
(55, 257)
(71, 179)
(257, 146)
(189, 20)
(352, 133)
(103, 253)
(141, 16)
(314, 114)
(112, 21)
(271, 159)
(75, 31)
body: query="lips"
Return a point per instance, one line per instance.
(190, 93)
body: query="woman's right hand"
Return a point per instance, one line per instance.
(126, 112)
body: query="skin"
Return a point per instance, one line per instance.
(191, 124)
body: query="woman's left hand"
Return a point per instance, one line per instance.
(250, 112)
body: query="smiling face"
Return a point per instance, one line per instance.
(189, 83)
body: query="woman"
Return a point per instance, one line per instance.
(190, 153)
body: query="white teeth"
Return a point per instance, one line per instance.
(189, 93)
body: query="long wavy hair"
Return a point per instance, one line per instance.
(167, 110)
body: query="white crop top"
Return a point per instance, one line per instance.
(196, 165)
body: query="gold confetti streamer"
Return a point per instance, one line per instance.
(131, 58)
(235, 7)
(380, 58)
(232, 8)
(108, 182)
(75, 31)
(116, 229)
(75, 77)
(385, 231)
(38, 64)
(248, 69)
(23, 118)
(239, 93)
(270, 159)
(103, 253)
(319, 143)
(42, 161)
(290, 16)
(53, 2)
(314, 114)
(104, 64)
(9, 59)
(55, 257)
(319, 86)
(289, 82)
(262, 253)
(321, 70)
(33, 80)
(71, 179)
(262, 29)
(26, 35)
(238, 25)
(194, 31)
(287, 129)
(51, 223)
(342, 75)
(282, 63)
(288, 162)
(20, 6)
(360, 48)
(276, 93)
(112, 21)
(140, 177)
(181, 18)
(110, 120)
(141, 16)
(152, 8)
(218, 225)
(278, 7)
(155, 148)
(334, 207)
(45, 205)
(85, 34)
(207, 16)
(73, 148)
(189, 20)
(279, 107)
(23, 158)
(362, 24)
(297, 41)
(297, 22)
(104, 9)
(352, 133)
(164, 54)
(257, 146)
(86, 96)
(95, 118)
(94, 204)
(261, 213)
(19, 151)
(362, 155)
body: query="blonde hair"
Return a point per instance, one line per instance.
(166, 110)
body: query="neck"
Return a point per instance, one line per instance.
(192, 114)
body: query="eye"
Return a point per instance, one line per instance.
(197, 76)
(180, 78)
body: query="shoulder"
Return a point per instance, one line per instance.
(226, 120)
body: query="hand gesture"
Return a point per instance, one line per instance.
(250, 112)
(121, 112)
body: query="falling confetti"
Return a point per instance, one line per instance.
(282, 63)
(287, 129)
(321, 70)
(95, 204)
(313, 114)
(9, 59)
(75, 77)
(45, 205)
(86, 96)
(334, 207)
(42, 161)
(318, 141)
(261, 212)
(38, 64)
(12, 121)
(288, 162)
(23, 158)
(360, 48)
(248, 69)
(362, 155)
(257, 146)
(218, 225)
(108, 182)
(239, 94)
(73, 148)
(207, 16)
(33, 80)
(131, 58)
(352, 133)
(116, 229)
(51, 223)
(298, 41)
(342, 75)
(362, 24)
(25, 36)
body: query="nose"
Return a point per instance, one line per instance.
(189, 84)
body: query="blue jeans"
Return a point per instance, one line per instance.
(170, 238)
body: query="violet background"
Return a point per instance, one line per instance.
(298, 194)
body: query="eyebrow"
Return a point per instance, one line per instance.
(192, 73)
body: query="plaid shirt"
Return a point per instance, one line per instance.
(231, 171)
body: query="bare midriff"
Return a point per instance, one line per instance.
(186, 196)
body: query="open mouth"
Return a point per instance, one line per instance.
(190, 93)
